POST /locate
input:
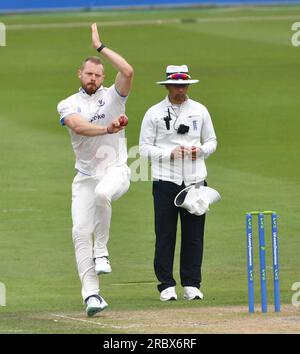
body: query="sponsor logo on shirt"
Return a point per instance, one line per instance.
(194, 124)
(97, 117)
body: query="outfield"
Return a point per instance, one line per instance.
(248, 71)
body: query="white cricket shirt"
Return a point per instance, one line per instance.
(158, 137)
(95, 154)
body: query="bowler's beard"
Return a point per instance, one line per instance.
(90, 88)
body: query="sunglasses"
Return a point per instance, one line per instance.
(178, 76)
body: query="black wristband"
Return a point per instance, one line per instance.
(100, 48)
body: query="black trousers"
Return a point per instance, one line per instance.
(192, 232)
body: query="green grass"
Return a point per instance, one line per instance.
(248, 80)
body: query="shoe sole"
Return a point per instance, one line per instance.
(93, 310)
(194, 298)
(171, 299)
(103, 272)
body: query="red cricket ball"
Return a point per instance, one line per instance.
(123, 120)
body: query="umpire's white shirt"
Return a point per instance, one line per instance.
(95, 154)
(157, 140)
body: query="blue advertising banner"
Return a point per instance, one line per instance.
(29, 5)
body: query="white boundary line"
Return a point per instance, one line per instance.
(153, 22)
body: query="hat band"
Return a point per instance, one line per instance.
(179, 76)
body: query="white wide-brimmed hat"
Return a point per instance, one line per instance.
(177, 75)
(196, 199)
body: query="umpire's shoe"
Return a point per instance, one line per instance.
(192, 293)
(168, 294)
(94, 304)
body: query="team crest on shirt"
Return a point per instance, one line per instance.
(78, 110)
(100, 103)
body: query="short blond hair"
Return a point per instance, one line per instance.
(94, 60)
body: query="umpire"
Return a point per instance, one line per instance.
(177, 135)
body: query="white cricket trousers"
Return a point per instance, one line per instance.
(91, 215)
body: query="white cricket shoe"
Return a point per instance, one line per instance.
(192, 293)
(94, 304)
(168, 294)
(102, 265)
